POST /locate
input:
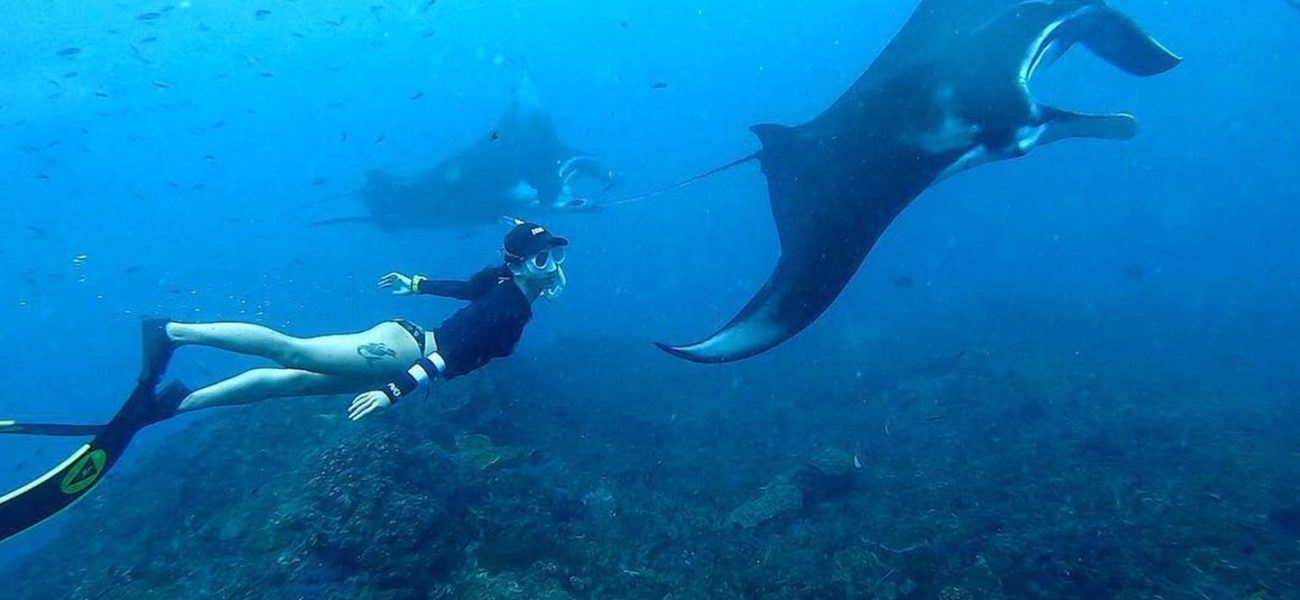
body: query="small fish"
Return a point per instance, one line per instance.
(343, 137)
(336, 23)
(139, 55)
(149, 40)
(43, 177)
(162, 85)
(417, 96)
(101, 93)
(209, 157)
(659, 85)
(495, 135)
(380, 139)
(80, 259)
(266, 74)
(69, 52)
(902, 282)
(37, 232)
(300, 35)
(218, 124)
(149, 16)
(376, 8)
(428, 34)
(132, 269)
(261, 15)
(429, 4)
(70, 74)
(319, 181)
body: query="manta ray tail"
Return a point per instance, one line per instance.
(686, 182)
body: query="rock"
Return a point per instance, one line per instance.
(774, 501)
(479, 452)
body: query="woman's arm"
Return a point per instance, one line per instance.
(401, 285)
(420, 374)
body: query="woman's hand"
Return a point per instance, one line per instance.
(399, 283)
(366, 403)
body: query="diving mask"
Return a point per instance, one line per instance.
(544, 269)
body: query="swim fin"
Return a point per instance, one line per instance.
(51, 429)
(158, 349)
(54, 491)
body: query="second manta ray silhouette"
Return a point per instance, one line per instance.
(949, 93)
(519, 168)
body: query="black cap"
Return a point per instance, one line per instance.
(527, 239)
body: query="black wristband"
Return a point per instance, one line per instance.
(430, 369)
(397, 390)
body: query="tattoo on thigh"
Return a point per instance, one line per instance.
(376, 352)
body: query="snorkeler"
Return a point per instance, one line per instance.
(396, 357)
(384, 364)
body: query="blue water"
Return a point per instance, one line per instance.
(179, 176)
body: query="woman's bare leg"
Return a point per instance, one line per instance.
(263, 384)
(380, 352)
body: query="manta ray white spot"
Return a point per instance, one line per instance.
(952, 132)
(523, 193)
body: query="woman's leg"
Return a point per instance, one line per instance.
(263, 384)
(379, 352)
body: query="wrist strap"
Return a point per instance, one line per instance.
(417, 280)
(427, 368)
(401, 388)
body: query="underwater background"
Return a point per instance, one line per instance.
(1072, 375)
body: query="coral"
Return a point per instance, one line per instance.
(1008, 472)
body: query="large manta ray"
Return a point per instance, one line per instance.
(947, 94)
(518, 168)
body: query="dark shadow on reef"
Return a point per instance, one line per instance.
(599, 469)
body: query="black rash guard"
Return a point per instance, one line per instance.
(486, 329)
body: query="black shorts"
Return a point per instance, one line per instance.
(416, 332)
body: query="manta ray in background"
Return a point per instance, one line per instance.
(519, 168)
(949, 93)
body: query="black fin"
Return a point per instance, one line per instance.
(158, 349)
(57, 489)
(167, 401)
(50, 429)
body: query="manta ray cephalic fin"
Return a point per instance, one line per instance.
(1120, 41)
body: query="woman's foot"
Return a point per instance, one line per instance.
(158, 349)
(166, 402)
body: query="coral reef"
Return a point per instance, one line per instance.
(998, 472)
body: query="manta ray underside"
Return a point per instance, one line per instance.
(520, 167)
(947, 94)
